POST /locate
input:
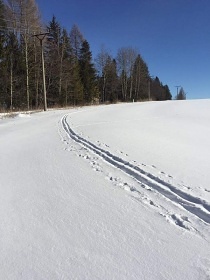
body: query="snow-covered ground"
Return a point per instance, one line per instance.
(108, 192)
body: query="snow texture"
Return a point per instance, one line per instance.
(107, 192)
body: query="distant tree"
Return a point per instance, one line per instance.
(23, 17)
(14, 78)
(156, 89)
(159, 91)
(53, 61)
(76, 39)
(103, 60)
(108, 79)
(125, 60)
(71, 76)
(181, 95)
(141, 79)
(112, 81)
(2, 26)
(168, 95)
(88, 74)
(64, 56)
(77, 89)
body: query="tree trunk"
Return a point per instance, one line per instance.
(11, 83)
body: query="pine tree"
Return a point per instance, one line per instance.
(88, 74)
(181, 95)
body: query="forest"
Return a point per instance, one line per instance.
(50, 66)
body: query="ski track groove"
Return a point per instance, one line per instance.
(191, 203)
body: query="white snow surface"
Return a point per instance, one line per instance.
(106, 192)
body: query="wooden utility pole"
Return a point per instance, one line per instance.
(41, 37)
(177, 89)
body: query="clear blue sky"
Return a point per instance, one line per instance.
(173, 36)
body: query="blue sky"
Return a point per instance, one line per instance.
(173, 36)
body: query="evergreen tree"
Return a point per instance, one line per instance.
(70, 73)
(77, 90)
(52, 61)
(140, 79)
(168, 95)
(107, 80)
(181, 95)
(88, 74)
(112, 81)
(159, 91)
(156, 89)
(65, 64)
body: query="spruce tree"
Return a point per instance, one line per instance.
(112, 82)
(141, 78)
(168, 95)
(52, 61)
(88, 74)
(181, 95)
(77, 90)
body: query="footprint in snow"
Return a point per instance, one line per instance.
(97, 169)
(178, 220)
(86, 157)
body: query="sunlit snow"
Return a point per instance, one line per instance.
(106, 192)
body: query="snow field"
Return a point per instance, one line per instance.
(83, 193)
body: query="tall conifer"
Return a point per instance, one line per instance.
(87, 73)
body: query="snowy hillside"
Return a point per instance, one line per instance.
(108, 192)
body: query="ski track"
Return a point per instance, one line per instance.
(192, 204)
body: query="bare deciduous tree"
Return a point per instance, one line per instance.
(126, 58)
(76, 39)
(102, 60)
(24, 18)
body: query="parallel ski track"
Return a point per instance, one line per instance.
(192, 204)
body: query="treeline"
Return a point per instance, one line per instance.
(72, 77)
